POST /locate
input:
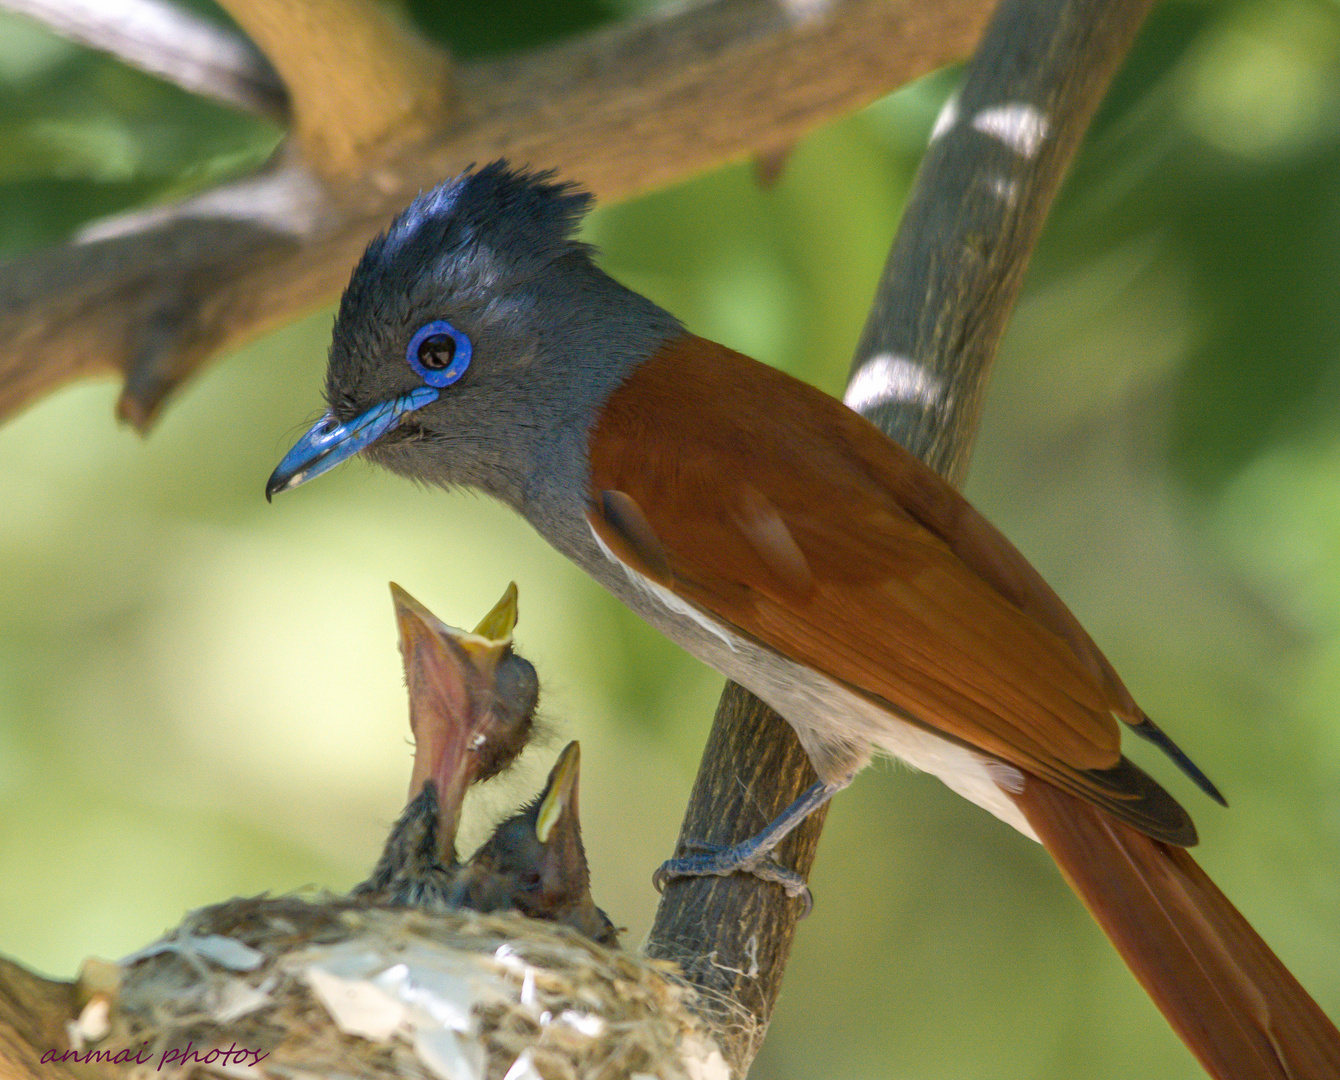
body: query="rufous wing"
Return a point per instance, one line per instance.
(826, 541)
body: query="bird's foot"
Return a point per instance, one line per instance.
(746, 858)
(754, 856)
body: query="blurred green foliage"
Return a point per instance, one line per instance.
(200, 695)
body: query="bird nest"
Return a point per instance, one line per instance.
(293, 987)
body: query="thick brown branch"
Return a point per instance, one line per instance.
(33, 1014)
(623, 110)
(359, 79)
(981, 196)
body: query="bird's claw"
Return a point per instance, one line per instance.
(711, 860)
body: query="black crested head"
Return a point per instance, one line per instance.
(476, 343)
(520, 221)
(465, 251)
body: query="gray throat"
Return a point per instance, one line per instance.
(602, 332)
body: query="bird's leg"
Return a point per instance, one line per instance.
(753, 856)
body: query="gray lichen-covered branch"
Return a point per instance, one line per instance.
(997, 156)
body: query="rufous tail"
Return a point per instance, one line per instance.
(1218, 984)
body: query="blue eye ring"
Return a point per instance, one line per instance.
(440, 366)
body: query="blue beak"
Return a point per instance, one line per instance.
(329, 443)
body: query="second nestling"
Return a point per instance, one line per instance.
(472, 704)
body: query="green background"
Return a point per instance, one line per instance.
(200, 694)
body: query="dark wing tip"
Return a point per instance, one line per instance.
(1151, 732)
(1131, 794)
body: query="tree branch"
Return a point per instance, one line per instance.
(33, 1013)
(999, 151)
(360, 80)
(997, 156)
(625, 109)
(174, 44)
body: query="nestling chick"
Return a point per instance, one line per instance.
(472, 710)
(535, 861)
(472, 707)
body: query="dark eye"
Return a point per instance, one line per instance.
(439, 353)
(436, 352)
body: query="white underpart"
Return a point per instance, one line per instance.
(813, 703)
(664, 596)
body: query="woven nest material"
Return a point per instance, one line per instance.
(291, 987)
